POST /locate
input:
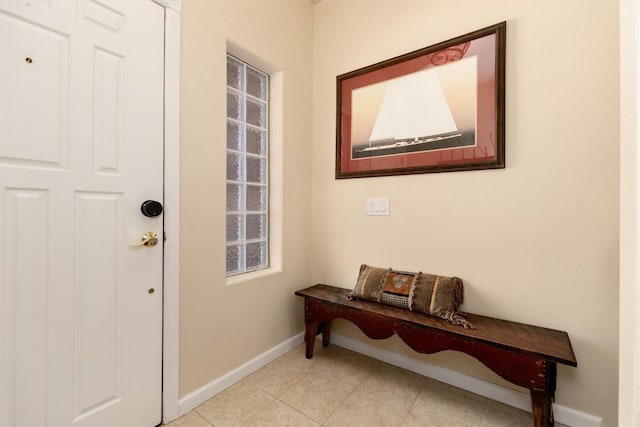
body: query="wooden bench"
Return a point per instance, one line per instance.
(522, 354)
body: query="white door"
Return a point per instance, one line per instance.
(81, 147)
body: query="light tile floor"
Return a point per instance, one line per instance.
(338, 387)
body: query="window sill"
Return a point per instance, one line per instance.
(253, 275)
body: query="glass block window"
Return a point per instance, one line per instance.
(247, 167)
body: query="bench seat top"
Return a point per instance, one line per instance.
(544, 343)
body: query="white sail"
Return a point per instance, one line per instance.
(413, 106)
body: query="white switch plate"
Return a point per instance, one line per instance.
(378, 206)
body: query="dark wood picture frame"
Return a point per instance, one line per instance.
(437, 109)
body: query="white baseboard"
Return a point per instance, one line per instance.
(206, 392)
(520, 400)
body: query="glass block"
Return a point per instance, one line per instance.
(256, 198)
(235, 167)
(256, 255)
(234, 261)
(234, 136)
(256, 141)
(256, 113)
(234, 197)
(256, 227)
(234, 227)
(257, 83)
(256, 170)
(234, 73)
(234, 105)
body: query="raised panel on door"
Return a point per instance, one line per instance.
(108, 114)
(24, 298)
(98, 301)
(35, 74)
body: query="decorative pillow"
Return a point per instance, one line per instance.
(438, 296)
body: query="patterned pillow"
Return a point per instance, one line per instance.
(438, 296)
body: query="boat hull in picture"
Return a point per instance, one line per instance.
(391, 146)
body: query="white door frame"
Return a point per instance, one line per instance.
(170, 334)
(629, 345)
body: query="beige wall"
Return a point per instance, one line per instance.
(222, 327)
(536, 242)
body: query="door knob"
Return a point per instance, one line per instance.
(148, 239)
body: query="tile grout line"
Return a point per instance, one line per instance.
(300, 412)
(412, 404)
(202, 417)
(259, 411)
(289, 386)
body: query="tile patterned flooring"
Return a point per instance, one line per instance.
(338, 387)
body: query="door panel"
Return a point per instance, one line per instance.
(98, 310)
(24, 305)
(81, 147)
(23, 143)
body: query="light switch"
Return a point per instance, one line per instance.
(378, 206)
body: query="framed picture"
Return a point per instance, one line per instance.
(437, 109)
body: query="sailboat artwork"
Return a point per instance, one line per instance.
(430, 109)
(436, 109)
